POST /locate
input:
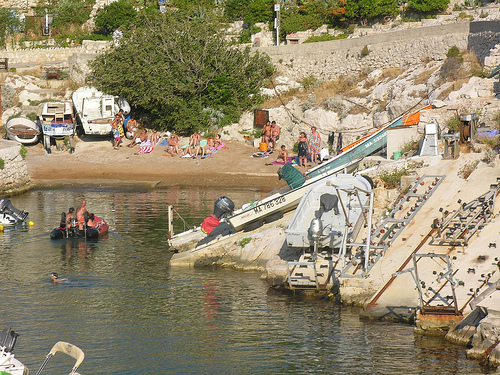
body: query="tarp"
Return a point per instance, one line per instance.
(293, 177)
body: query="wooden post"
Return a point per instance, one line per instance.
(170, 221)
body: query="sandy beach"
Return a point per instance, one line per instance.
(96, 163)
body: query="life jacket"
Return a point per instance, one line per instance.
(209, 224)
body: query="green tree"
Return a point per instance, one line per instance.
(9, 23)
(70, 12)
(428, 6)
(118, 13)
(366, 10)
(182, 72)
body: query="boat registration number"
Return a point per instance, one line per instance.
(268, 205)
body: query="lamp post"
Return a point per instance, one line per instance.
(277, 21)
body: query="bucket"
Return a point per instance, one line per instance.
(263, 146)
(396, 155)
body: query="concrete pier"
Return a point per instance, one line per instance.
(14, 177)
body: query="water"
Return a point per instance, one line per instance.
(132, 314)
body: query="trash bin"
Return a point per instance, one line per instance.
(396, 155)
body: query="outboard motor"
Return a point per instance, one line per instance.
(223, 207)
(316, 229)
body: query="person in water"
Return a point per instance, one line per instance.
(55, 278)
(91, 221)
(70, 218)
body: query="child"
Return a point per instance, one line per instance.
(283, 155)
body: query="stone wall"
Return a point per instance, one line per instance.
(14, 176)
(48, 55)
(329, 60)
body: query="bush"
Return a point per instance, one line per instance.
(365, 51)
(454, 123)
(114, 15)
(23, 152)
(392, 179)
(309, 82)
(453, 52)
(244, 241)
(466, 170)
(2, 163)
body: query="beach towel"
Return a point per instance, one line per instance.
(276, 162)
(145, 149)
(262, 154)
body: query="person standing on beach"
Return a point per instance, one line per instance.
(116, 132)
(303, 149)
(314, 144)
(275, 134)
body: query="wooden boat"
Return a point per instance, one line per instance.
(95, 110)
(22, 130)
(87, 233)
(55, 121)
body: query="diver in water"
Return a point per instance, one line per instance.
(55, 278)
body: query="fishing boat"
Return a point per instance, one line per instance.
(22, 130)
(87, 233)
(95, 110)
(55, 121)
(9, 214)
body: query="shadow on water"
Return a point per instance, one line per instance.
(132, 314)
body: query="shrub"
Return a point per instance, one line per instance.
(466, 170)
(453, 52)
(310, 82)
(392, 179)
(453, 123)
(244, 241)
(8, 94)
(23, 152)
(365, 51)
(2, 163)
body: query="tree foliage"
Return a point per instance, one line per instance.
(67, 12)
(427, 6)
(182, 72)
(9, 23)
(371, 9)
(118, 13)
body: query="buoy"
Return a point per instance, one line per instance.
(31, 223)
(1, 228)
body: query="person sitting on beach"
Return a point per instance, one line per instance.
(132, 126)
(217, 141)
(80, 214)
(283, 155)
(194, 144)
(91, 221)
(173, 144)
(140, 137)
(155, 138)
(55, 278)
(266, 133)
(210, 145)
(275, 134)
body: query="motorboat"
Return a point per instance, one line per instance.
(22, 130)
(87, 233)
(8, 363)
(55, 121)
(330, 209)
(9, 214)
(95, 110)
(11, 365)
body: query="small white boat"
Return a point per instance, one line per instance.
(8, 363)
(329, 209)
(55, 121)
(95, 110)
(22, 130)
(9, 214)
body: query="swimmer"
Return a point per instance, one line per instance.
(55, 278)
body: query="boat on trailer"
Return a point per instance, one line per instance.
(22, 130)
(55, 121)
(95, 110)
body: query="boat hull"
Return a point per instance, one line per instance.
(87, 234)
(22, 130)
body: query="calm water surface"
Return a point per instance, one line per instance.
(132, 314)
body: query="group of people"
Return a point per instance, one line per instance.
(306, 146)
(270, 135)
(81, 219)
(198, 147)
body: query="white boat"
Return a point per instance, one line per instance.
(55, 121)
(22, 130)
(8, 363)
(327, 209)
(95, 110)
(9, 214)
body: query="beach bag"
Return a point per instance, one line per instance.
(293, 177)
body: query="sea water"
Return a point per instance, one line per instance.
(132, 314)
